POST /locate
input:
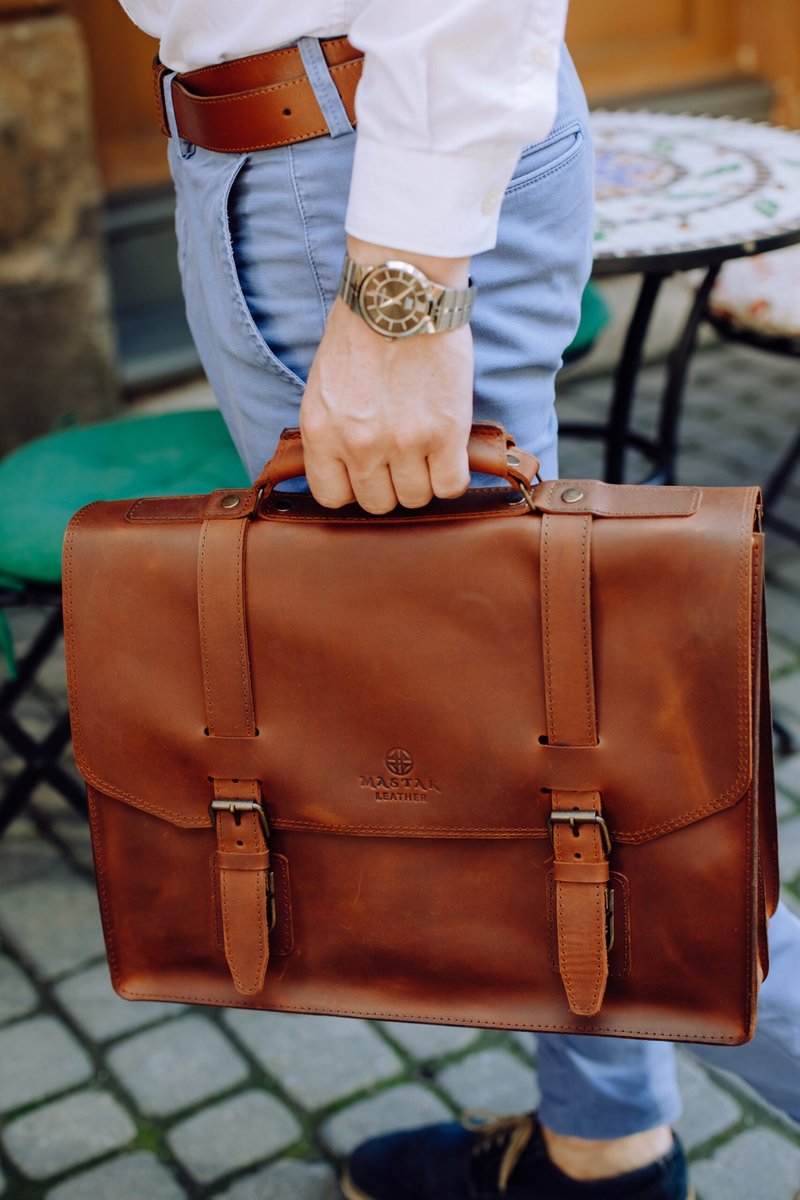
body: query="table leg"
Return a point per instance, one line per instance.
(672, 397)
(618, 430)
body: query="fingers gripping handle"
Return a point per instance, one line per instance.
(491, 452)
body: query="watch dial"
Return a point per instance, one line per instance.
(394, 301)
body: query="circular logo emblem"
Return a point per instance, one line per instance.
(399, 761)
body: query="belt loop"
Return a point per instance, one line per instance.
(185, 148)
(325, 89)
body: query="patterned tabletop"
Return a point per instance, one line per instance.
(683, 191)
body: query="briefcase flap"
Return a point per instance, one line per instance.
(396, 666)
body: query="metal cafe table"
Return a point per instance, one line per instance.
(675, 193)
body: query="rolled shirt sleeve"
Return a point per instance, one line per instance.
(451, 92)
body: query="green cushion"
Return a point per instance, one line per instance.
(594, 318)
(44, 482)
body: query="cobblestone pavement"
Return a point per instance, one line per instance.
(105, 1099)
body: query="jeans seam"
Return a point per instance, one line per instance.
(307, 238)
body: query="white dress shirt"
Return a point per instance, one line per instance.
(450, 93)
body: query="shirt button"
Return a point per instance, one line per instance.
(543, 54)
(491, 201)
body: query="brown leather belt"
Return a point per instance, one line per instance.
(258, 102)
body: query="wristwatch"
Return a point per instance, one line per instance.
(397, 300)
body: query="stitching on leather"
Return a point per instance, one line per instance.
(207, 689)
(586, 630)
(622, 942)
(241, 629)
(102, 889)
(437, 1019)
(259, 882)
(216, 904)
(693, 494)
(546, 609)
(285, 923)
(251, 58)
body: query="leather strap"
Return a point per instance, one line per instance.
(223, 630)
(577, 830)
(242, 859)
(258, 102)
(243, 866)
(567, 630)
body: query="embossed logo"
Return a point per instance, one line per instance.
(399, 785)
(399, 761)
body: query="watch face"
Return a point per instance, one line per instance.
(394, 299)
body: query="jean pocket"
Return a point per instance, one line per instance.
(542, 159)
(246, 277)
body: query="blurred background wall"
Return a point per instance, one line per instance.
(90, 308)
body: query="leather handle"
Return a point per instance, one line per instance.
(491, 452)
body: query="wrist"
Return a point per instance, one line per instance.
(451, 272)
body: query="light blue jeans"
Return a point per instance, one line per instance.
(261, 240)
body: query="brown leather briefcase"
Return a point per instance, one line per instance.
(503, 761)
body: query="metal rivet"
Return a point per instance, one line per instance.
(512, 460)
(230, 501)
(283, 505)
(572, 495)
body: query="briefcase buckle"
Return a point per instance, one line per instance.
(237, 807)
(577, 816)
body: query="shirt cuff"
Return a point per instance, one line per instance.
(442, 204)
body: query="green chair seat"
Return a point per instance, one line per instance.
(594, 318)
(44, 482)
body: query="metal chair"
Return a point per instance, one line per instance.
(41, 485)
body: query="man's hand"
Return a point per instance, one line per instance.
(387, 422)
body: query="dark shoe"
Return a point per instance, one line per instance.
(502, 1159)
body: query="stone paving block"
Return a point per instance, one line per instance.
(786, 568)
(73, 830)
(784, 806)
(493, 1080)
(757, 1165)
(786, 690)
(429, 1041)
(25, 855)
(789, 849)
(399, 1108)
(316, 1059)
(94, 1005)
(67, 1133)
(176, 1065)
(54, 922)
(707, 1109)
(38, 1058)
(138, 1176)
(783, 614)
(17, 995)
(787, 773)
(233, 1134)
(286, 1180)
(780, 656)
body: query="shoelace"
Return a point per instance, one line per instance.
(507, 1136)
